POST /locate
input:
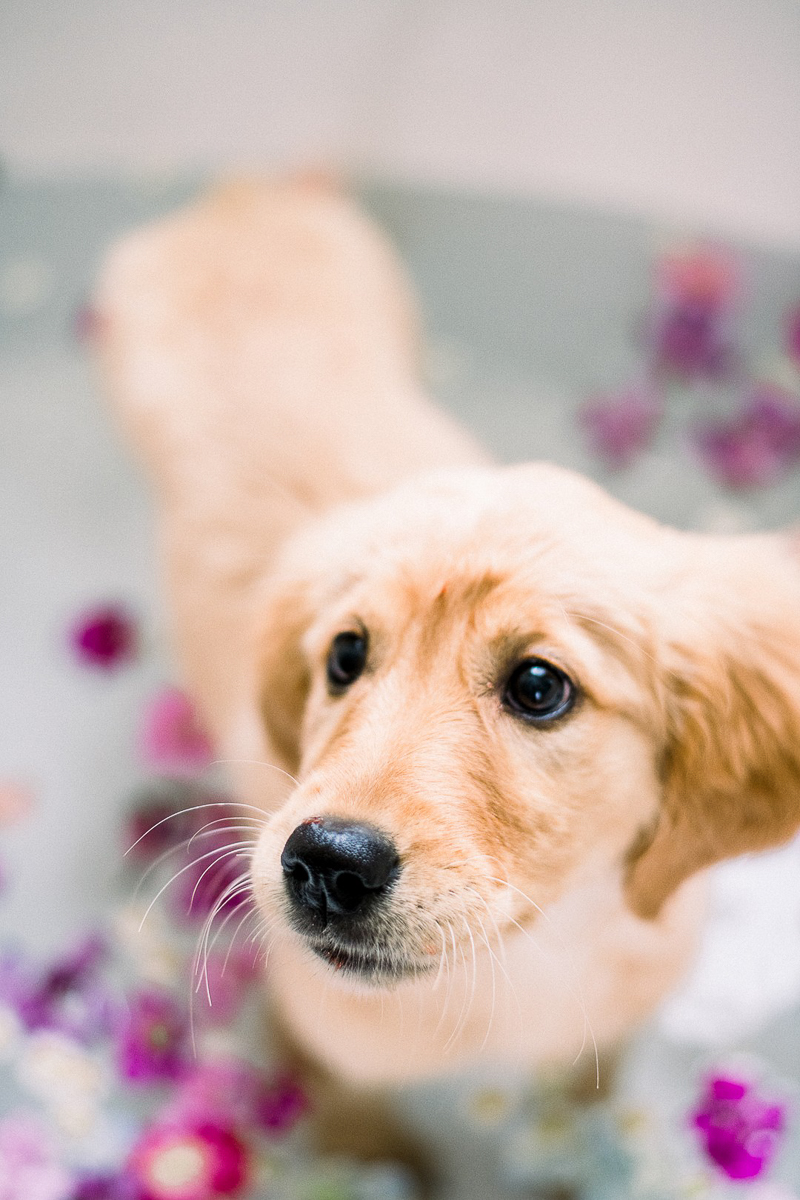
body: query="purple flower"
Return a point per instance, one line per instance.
(739, 1129)
(69, 995)
(756, 446)
(688, 329)
(105, 1186)
(152, 1040)
(619, 427)
(104, 637)
(172, 740)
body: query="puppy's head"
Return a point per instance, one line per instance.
(492, 684)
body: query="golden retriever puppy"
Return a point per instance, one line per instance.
(513, 719)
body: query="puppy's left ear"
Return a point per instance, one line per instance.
(283, 675)
(731, 700)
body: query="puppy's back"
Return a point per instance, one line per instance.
(260, 347)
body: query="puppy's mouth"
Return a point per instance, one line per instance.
(368, 964)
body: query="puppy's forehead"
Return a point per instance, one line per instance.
(476, 529)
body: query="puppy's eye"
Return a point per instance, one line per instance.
(346, 659)
(538, 691)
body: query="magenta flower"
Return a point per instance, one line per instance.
(189, 1162)
(104, 637)
(756, 446)
(688, 330)
(739, 1129)
(172, 739)
(28, 1167)
(281, 1105)
(620, 427)
(152, 1041)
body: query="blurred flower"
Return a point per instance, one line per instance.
(172, 740)
(104, 637)
(756, 446)
(688, 329)
(189, 1162)
(793, 335)
(219, 864)
(739, 1129)
(619, 427)
(28, 1168)
(152, 1039)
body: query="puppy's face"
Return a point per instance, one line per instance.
(470, 679)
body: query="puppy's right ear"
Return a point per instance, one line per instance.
(284, 677)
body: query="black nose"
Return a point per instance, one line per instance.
(333, 866)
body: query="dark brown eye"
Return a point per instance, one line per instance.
(346, 660)
(538, 691)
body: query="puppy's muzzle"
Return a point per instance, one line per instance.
(336, 870)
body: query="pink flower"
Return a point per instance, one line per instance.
(28, 1168)
(756, 446)
(153, 1038)
(104, 637)
(172, 740)
(189, 1162)
(222, 1091)
(619, 427)
(739, 1129)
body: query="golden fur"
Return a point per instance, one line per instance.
(261, 349)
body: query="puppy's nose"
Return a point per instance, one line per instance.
(333, 866)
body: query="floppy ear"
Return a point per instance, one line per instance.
(731, 762)
(283, 672)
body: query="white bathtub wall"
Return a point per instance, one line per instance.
(688, 110)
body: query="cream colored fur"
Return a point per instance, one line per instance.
(261, 349)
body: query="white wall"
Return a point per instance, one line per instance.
(686, 109)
